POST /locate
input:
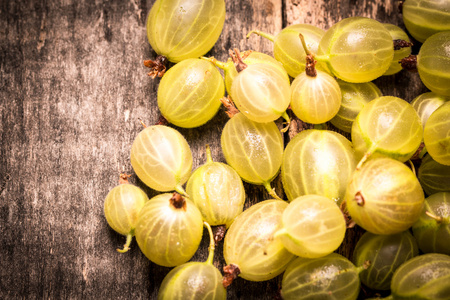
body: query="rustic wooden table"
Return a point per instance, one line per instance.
(73, 86)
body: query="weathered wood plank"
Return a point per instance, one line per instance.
(73, 89)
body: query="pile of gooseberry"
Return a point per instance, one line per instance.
(358, 174)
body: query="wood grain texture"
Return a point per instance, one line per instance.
(73, 87)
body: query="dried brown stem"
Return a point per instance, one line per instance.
(157, 66)
(416, 155)
(399, 44)
(177, 201)
(142, 123)
(162, 121)
(348, 219)
(237, 59)
(359, 199)
(219, 233)
(231, 109)
(123, 178)
(231, 273)
(409, 63)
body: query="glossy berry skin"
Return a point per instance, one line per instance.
(184, 29)
(387, 126)
(397, 34)
(385, 254)
(354, 97)
(249, 58)
(433, 176)
(217, 191)
(433, 233)
(288, 49)
(384, 196)
(329, 277)
(315, 99)
(261, 92)
(436, 134)
(313, 226)
(356, 49)
(317, 162)
(423, 18)
(193, 280)
(161, 158)
(122, 207)
(433, 63)
(426, 276)
(189, 93)
(426, 103)
(169, 236)
(254, 150)
(250, 244)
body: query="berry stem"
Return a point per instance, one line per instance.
(285, 116)
(219, 64)
(238, 60)
(302, 39)
(364, 266)
(126, 247)
(310, 67)
(157, 66)
(142, 123)
(263, 34)
(438, 219)
(366, 156)
(212, 246)
(179, 189)
(208, 154)
(271, 191)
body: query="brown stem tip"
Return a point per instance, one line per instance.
(237, 59)
(359, 199)
(157, 66)
(162, 121)
(399, 44)
(219, 233)
(409, 63)
(348, 219)
(123, 178)
(178, 201)
(416, 155)
(231, 109)
(231, 273)
(310, 67)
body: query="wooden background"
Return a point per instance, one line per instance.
(73, 87)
